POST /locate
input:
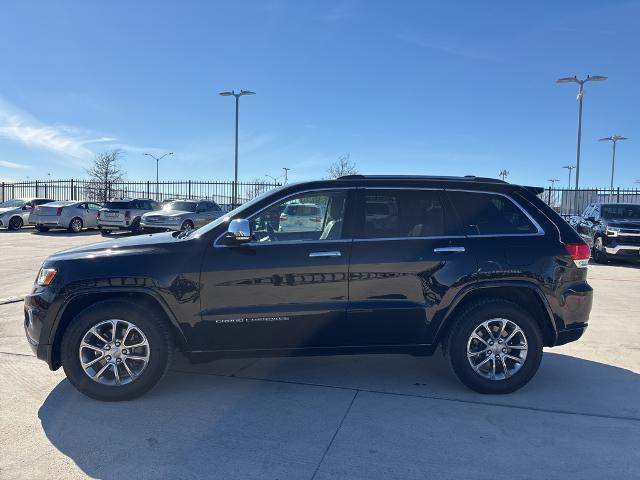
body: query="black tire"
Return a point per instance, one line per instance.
(105, 232)
(187, 225)
(154, 328)
(468, 320)
(597, 253)
(75, 225)
(42, 229)
(135, 226)
(15, 223)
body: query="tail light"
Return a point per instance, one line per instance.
(580, 253)
(284, 217)
(59, 211)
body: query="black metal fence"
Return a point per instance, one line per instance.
(73, 189)
(569, 202)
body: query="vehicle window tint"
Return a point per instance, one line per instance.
(310, 216)
(403, 214)
(82, 205)
(490, 214)
(117, 205)
(93, 206)
(215, 207)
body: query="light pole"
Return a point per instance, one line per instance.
(157, 159)
(286, 174)
(553, 182)
(570, 168)
(574, 79)
(235, 177)
(503, 174)
(613, 139)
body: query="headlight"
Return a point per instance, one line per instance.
(46, 276)
(612, 231)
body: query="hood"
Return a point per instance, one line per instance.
(141, 244)
(9, 210)
(624, 223)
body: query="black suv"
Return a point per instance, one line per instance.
(614, 228)
(390, 265)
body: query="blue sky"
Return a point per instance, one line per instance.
(403, 87)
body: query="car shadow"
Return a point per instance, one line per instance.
(275, 415)
(61, 232)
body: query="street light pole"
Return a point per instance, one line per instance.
(570, 168)
(157, 159)
(235, 177)
(574, 79)
(613, 139)
(286, 174)
(503, 173)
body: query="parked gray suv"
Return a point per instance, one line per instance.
(14, 214)
(124, 214)
(181, 215)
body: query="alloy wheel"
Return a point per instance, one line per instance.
(76, 225)
(497, 349)
(114, 352)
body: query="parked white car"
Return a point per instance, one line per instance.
(301, 217)
(14, 214)
(72, 215)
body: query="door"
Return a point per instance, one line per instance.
(204, 213)
(90, 215)
(284, 289)
(408, 253)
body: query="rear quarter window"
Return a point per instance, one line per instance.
(490, 214)
(117, 205)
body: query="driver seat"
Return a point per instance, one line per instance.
(333, 228)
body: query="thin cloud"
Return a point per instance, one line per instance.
(449, 46)
(18, 166)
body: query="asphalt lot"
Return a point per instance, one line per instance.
(358, 417)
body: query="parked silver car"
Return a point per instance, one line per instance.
(72, 215)
(124, 214)
(181, 215)
(14, 214)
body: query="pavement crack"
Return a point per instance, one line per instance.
(335, 434)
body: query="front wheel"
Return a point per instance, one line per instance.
(105, 232)
(15, 223)
(599, 254)
(186, 226)
(116, 350)
(495, 346)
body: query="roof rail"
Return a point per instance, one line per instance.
(466, 178)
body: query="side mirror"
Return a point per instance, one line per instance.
(27, 207)
(239, 231)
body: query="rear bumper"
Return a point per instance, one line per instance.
(572, 314)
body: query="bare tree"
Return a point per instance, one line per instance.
(257, 187)
(341, 167)
(104, 172)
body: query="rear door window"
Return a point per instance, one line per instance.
(490, 214)
(404, 214)
(117, 205)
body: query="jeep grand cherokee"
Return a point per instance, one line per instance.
(395, 265)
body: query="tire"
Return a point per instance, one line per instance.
(42, 229)
(158, 350)
(135, 226)
(187, 225)
(75, 225)
(104, 232)
(459, 341)
(598, 254)
(15, 223)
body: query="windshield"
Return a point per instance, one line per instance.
(17, 203)
(58, 204)
(180, 207)
(630, 212)
(210, 226)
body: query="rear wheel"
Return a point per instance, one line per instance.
(105, 232)
(42, 229)
(75, 225)
(495, 346)
(116, 350)
(135, 226)
(15, 223)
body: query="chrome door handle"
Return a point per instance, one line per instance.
(449, 250)
(334, 253)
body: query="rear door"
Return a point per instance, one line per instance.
(407, 254)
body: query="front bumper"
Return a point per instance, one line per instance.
(160, 226)
(623, 250)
